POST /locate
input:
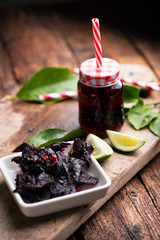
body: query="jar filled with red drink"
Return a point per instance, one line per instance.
(100, 97)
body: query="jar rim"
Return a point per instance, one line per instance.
(95, 85)
(107, 74)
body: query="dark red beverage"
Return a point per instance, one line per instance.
(100, 107)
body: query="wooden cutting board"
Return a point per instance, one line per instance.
(21, 120)
(119, 167)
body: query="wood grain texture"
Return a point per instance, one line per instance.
(115, 44)
(33, 42)
(150, 178)
(128, 215)
(149, 47)
(34, 38)
(120, 168)
(8, 84)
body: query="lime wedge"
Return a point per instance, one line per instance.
(101, 150)
(125, 142)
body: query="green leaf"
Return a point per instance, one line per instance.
(48, 80)
(140, 115)
(52, 135)
(154, 126)
(131, 94)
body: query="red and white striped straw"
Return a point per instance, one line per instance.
(97, 41)
(151, 85)
(52, 96)
(71, 94)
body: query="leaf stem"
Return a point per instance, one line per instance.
(11, 97)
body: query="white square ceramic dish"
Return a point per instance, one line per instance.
(9, 170)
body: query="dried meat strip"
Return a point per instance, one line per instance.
(48, 172)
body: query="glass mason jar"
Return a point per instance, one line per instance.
(100, 97)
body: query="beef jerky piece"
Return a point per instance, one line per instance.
(46, 152)
(61, 188)
(32, 153)
(16, 160)
(21, 147)
(71, 186)
(68, 166)
(59, 146)
(82, 152)
(61, 157)
(57, 189)
(27, 150)
(35, 195)
(21, 180)
(88, 149)
(48, 172)
(77, 149)
(44, 179)
(29, 181)
(32, 167)
(75, 167)
(37, 154)
(24, 182)
(62, 167)
(33, 159)
(86, 178)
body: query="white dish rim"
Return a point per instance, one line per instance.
(24, 205)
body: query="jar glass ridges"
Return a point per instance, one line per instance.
(100, 97)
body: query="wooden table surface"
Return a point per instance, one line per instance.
(58, 35)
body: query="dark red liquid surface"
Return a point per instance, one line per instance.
(100, 108)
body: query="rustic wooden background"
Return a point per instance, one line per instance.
(61, 35)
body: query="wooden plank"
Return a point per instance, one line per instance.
(120, 167)
(147, 43)
(132, 212)
(114, 43)
(149, 46)
(98, 227)
(33, 42)
(29, 118)
(8, 84)
(150, 178)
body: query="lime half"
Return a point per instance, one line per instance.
(125, 142)
(101, 150)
